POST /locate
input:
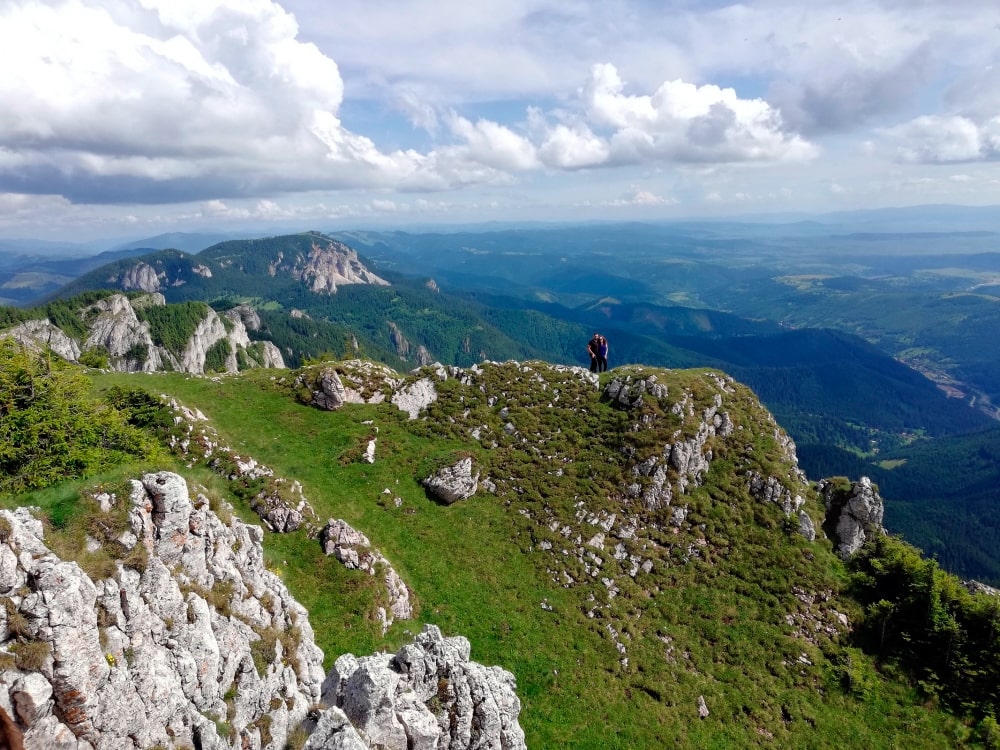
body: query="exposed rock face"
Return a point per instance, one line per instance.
(331, 263)
(355, 551)
(399, 341)
(415, 397)
(853, 514)
(210, 331)
(453, 483)
(141, 277)
(428, 695)
(38, 335)
(247, 315)
(975, 587)
(147, 656)
(115, 327)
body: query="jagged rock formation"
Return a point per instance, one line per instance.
(189, 626)
(139, 277)
(399, 341)
(854, 514)
(332, 385)
(115, 329)
(388, 699)
(39, 335)
(329, 264)
(453, 483)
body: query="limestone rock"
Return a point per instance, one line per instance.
(428, 695)
(140, 276)
(853, 514)
(39, 335)
(116, 328)
(453, 483)
(627, 391)
(149, 655)
(331, 263)
(415, 397)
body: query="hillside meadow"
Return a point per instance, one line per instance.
(714, 627)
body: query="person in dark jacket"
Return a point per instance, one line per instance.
(602, 355)
(594, 349)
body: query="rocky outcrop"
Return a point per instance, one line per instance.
(116, 329)
(355, 552)
(453, 483)
(40, 335)
(137, 277)
(854, 514)
(189, 629)
(399, 342)
(428, 695)
(415, 397)
(245, 314)
(355, 381)
(331, 264)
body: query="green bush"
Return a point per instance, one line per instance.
(51, 428)
(96, 357)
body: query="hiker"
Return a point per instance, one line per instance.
(593, 349)
(602, 355)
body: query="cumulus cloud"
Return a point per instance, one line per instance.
(639, 197)
(152, 100)
(684, 122)
(943, 139)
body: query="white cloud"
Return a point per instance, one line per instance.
(943, 139)
(684, 122)
(175, 97)
(493, 145)
(639, 197)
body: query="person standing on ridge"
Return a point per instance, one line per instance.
(602, 355)
(593, 349)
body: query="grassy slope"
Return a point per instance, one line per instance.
(712, 627)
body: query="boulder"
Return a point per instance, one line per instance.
(853, 514)
(453, 483)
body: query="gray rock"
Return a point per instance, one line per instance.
(143, 657)
(853, 514)
(334, 732)
(39, 335)
(116, 329)
(140, 276)
(415, 397)
(453, 483)
(429, 695)
(331, 264)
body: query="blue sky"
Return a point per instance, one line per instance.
(133, 117)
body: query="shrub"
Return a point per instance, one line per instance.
(96, 358)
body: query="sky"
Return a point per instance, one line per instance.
(128, 118)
